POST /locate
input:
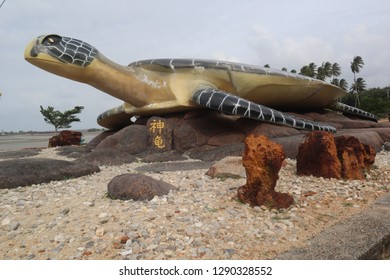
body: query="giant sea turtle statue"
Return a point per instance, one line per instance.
(158, 86)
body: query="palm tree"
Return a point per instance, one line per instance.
(335, 70)
(359, 85)
(342, 83)
(324, 71)
(313, 69)
(309, 70)
(356, 65)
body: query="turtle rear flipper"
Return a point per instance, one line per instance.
(222, 101)
(114, 118)
(344, 108)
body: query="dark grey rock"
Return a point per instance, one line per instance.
(19, 153)
(73, 151)
(211, 153)
(163, 157)
(107, 156)
(174, 166)
(25, 172)
(137, 187)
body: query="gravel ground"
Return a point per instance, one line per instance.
(75, 219)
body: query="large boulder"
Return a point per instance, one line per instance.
(228, 167)
(99, 138)
(132, 139)
(200, 127)
(24, 172)
(262, 161)
(137, 187)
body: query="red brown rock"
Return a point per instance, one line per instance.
(323, 155)
(355, 157)
(262, 161)
(317, 156)
(65, 138)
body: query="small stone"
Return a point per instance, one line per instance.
(99, 231)
(14, 225)
(103, 218)
(5, 221)
(117, 245)
(65, 211)
(125, 253)
(229, 251)
(168, 253)
(56, 250)
(89, 203)
(31, 257)
(59, 238)
(89, 244)
(124, 239)
(86, 253)
(103, 215)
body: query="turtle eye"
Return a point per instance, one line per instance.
(51, 40)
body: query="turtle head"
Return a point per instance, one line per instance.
(63, 56)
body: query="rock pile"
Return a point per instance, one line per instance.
(262, 161)
(211, 136)
(343, 157)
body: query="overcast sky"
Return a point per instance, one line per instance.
(280, 33)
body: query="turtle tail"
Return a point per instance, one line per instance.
(344, 108)
(234, 105)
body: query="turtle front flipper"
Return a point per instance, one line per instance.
(234, 105)
(344, 108)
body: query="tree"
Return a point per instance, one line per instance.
(309, 70)
(335, 70)
(60, 119)
(359, 85)
(324, 71)
(356, 65)
(342, 83)
(267, 66)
